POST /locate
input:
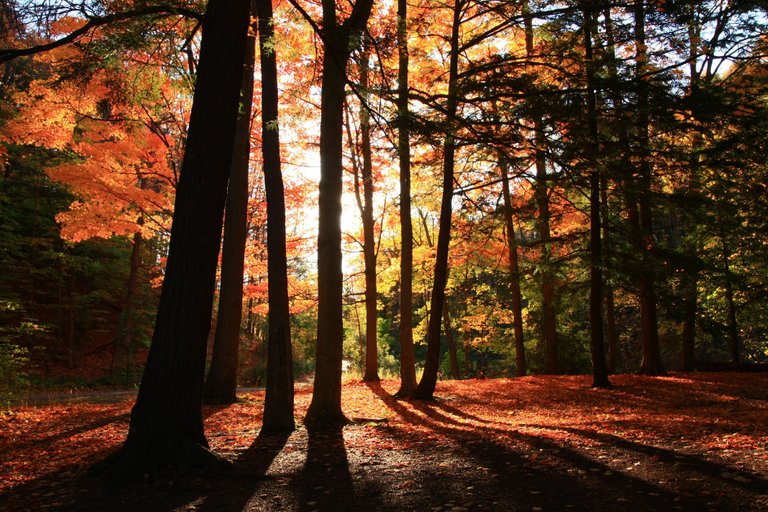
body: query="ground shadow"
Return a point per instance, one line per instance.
(233, 490)
(325, 482)
(521, 470)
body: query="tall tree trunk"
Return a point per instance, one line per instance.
(426, 386)
(221, 384)
(514, 271)
(407, 355)
(278, 400)
(651, 364)
(611, 333)
(690, 278)
(325, 409)
(541, 191)
(453, 355)
(122, 351)
(733, 326)
(597, 342)
(166, 428)
(369, 240)
(617, 100)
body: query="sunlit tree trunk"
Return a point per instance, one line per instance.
(325, 409)
(426, 386)
(278, 400)
(369, 240)
(407, 356)
(166, 428)
(221, 384)
(514, 271)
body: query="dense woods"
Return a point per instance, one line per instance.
(461, 189)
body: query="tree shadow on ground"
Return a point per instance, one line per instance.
(526, 471)
(325, 482)
(233, 490)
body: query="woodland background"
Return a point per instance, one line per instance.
(671, 120)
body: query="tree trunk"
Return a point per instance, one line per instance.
(122, 351)
(407, 355)
(514, 272)
(541, 191)
(369, 240)
(325, 409)
(733, 326)
(166, 429)
(221, 384)
(452, 352)
(690, 276)
(426, 386)
(651, 364)
(616, 98)
(278, 401)
(597, 342)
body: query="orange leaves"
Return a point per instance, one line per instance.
(120, 164)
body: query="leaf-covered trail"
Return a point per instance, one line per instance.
(686, 442)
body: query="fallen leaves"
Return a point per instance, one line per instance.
(644, 422)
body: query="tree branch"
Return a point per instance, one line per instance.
(98, 21)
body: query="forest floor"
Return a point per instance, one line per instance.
(686, 442)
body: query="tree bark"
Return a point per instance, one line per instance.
(166, 429)
(651, 364)
(514, 272)
(278, 400)
(616, 98)
(733, 326)
(325, 408)
(221, 384)
(426, 386)
(407, 355)
(453, 355)
(369, 240)
(122, 353)
(541, 191)
(597, 341)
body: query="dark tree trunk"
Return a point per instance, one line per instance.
(278, 401)
(453, 355)
(407, 355)
(651, 364)
(690, 276)
(166, 430)
(597, 342)
(221, 384)
(369, 240)
(514, 272)
(610, 310)
(733, 326)
(426, 386)
(325, 409)
(122, 354)
(548, 317)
